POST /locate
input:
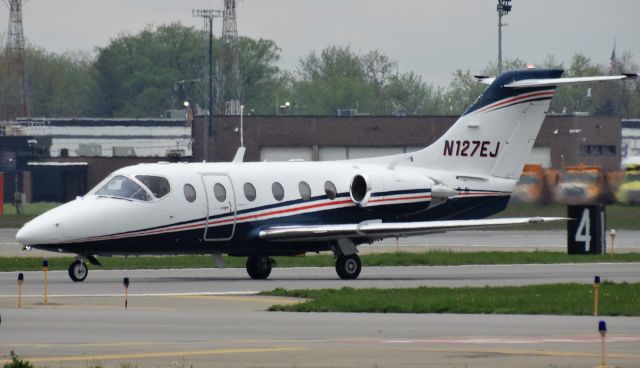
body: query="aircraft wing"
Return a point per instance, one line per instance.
(378, 230)
(527, 83)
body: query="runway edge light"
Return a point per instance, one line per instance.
(602, 328)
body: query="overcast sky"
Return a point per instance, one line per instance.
(432, 38)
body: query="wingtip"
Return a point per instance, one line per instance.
(539, 220)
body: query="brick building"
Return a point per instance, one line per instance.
(563, 140)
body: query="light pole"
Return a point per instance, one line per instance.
(208, 15)
(504, 7)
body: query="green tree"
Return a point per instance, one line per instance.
(59, 83)
(417, 97)
(571, 98)
(261, 79)
(463, 90)
(336, 79)
(137, 75)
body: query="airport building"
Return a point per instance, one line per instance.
(563, 140)
(58, 159)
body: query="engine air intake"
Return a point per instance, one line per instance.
(360, 190)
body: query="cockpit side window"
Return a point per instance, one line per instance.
(123, 187)
(157, 185)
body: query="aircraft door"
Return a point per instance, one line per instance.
(221, 207)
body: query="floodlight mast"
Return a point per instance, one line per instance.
(208, 15)
(504, 7)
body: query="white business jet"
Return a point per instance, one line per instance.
(262, 209)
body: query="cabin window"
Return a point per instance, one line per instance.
(123, 187)
(330, 190)
(249, 191)
(278, 191)
(220, 192)
(189, 193)
(158, 186)
(305, 190)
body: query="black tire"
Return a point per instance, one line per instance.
(348, 267)
(78, 271)
(259, 267)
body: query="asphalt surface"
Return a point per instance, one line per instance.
(211, 318)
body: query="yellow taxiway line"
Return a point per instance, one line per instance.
(164, 354)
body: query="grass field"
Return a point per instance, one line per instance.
(429, 258)
(556, 299)
(618, 216)
(12, 220)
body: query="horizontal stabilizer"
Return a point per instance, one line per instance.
(379, 230)
(528, 83)
(484, 79)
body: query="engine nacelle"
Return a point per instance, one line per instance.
(360, 189)
(397, 192)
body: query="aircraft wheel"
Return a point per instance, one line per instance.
(78, 271)
(259, 267)
(348, 267)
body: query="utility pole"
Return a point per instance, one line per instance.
(504, 7)
(16, 101)
(229, 43)
(208, 15)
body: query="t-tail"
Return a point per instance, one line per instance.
(495, 135)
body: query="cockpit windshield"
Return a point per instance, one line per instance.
(123, 187)
(157, 185)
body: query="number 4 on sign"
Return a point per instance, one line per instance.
(583, 232)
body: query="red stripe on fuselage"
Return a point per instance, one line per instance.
(272, 213)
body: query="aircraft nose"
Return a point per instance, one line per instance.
(37, 232)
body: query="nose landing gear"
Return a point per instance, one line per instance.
(78, 271)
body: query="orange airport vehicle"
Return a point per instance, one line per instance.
(535, 184)
(582, 184)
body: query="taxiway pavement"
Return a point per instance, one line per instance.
(210, 317)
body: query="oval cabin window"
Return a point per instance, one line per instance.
(305, 190)
(189, 193)
(219, 192)
(249, 191)
(278, 191)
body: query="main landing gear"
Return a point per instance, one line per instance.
(259, 267)
(348, 264)
(348, 267)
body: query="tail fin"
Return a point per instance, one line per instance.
(496, 134)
